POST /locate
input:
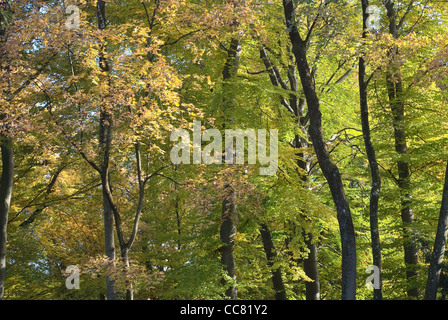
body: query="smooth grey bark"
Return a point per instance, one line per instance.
(435, 265)
(396, 102)
(329, 169)
(312, 288)
(111, 212)
(271, 254)
(105, 139)
(6, 187)
(229, 222)
(109, 243)
(110, 205)
(310, 265)
(7, 176)
(371, 156)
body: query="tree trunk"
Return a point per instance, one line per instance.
(229, 223)
(7, 180)
(438, 251)
(396, 101)
(329, 169)
(111, 213)
(371, 156)
(125, 259)
(109, 243)
(7, 177)
(105, 139)
(310, 267)
(407, 215)
(271, 254)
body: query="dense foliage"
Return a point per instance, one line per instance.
(158, 65)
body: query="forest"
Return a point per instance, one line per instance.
(223, 149)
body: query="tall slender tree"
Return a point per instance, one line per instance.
(438, 252)
(329, 169)
(7, 181)
(229, 222)
(371, 156)
(397, 106)
(271, 255)
(6, 146)
(105, 140)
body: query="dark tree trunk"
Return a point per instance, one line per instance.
(329, 169)
(407, 215)
(371, 156)
(112, 215)
(438, 251)
(105, 139)
(7, 180)
(396, 101)
(109, 242)
(229, 223)
(7, 177)
(310, 267)
(271, 254)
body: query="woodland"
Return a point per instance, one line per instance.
(91, 91)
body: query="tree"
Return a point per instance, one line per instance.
(438, 251)
(7, 177)
(277, 281)
(229, 208)
(7, 181)
(329, 169)
(146, 95)
(396, 100)
(371, 155)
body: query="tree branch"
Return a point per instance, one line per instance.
(183, 36)
(67, 137)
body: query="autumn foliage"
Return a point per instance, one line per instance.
(88, 112)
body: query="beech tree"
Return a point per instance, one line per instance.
(92, 91)
(330, 170)
(229, 224)
(438, 250)
(371, 155)
(7, 169)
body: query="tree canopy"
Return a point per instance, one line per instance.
(349, 97)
